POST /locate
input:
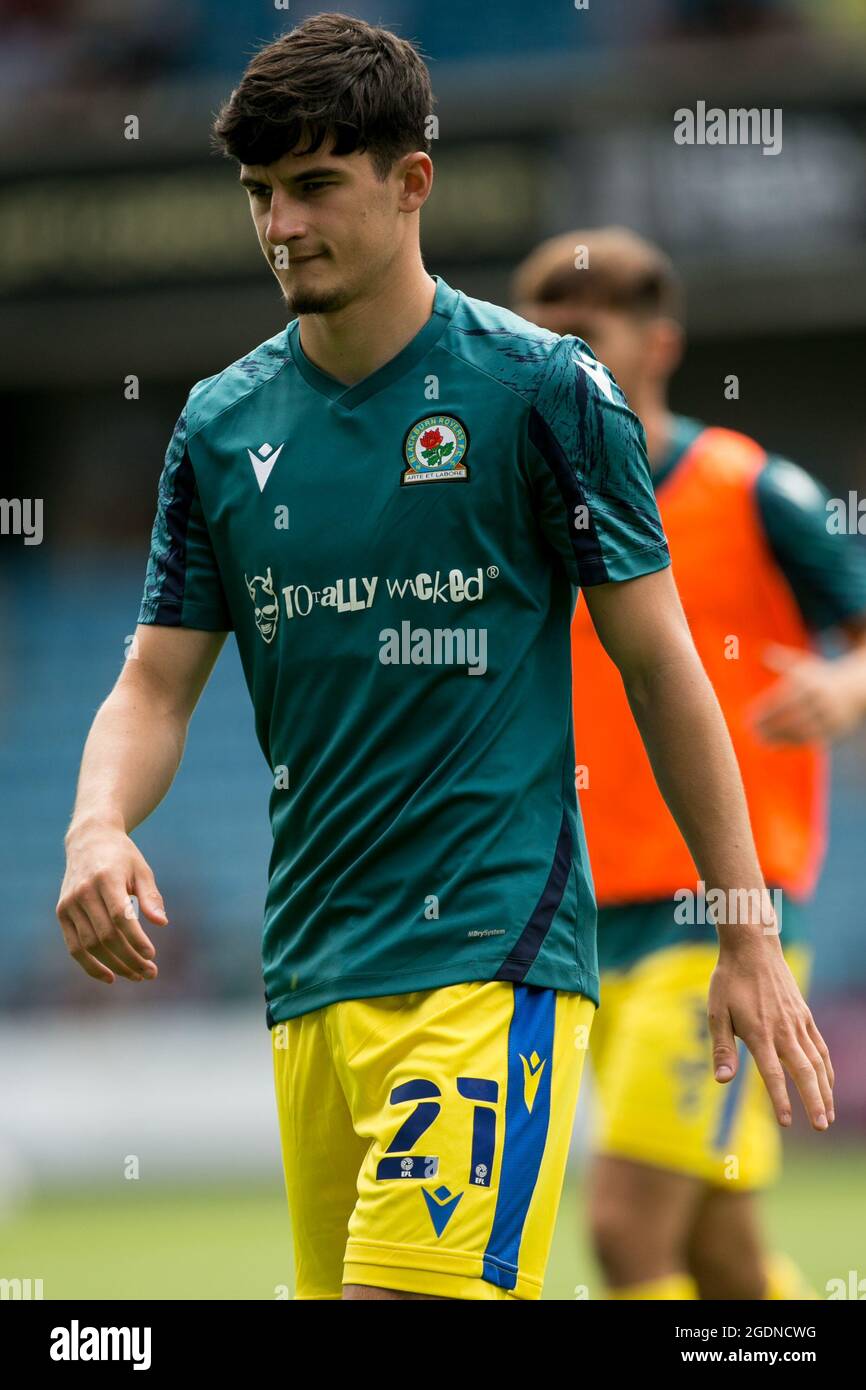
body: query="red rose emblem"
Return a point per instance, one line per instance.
(431, 439)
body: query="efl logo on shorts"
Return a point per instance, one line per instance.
(434, 450)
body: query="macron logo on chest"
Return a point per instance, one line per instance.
(263, 461)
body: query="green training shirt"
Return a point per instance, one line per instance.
(399, 561)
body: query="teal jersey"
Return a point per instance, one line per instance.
(399, 561)
(826, 573)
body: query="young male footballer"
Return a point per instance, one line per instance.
(452, 474)
(679, 1161)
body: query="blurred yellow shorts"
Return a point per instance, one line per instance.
(659, 1102)
(425, 1137)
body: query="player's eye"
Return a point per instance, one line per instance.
(258, 190)
(315, 184)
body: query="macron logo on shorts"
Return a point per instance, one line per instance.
(533, 1066)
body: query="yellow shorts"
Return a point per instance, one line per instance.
(425, 1137)
(659, 1102)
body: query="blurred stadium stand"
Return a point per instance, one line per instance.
(63, 642)
(136, 257)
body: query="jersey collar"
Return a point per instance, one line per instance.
(445, 302)
(684, 432)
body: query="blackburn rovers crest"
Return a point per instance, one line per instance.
(435, 451)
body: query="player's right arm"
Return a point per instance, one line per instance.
(131, 756)
(135, 745)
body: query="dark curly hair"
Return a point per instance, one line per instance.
(331, 76)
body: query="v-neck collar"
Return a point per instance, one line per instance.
(444, 305)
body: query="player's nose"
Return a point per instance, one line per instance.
(285, 222)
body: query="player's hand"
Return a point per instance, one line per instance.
(754, 996)
(813, 699)
(104, 869)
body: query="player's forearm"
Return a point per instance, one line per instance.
(694, 764)
(132, 753)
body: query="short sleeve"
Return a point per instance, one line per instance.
(593, 487)
(182, 586)
(825, 568)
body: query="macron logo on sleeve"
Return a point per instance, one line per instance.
(263, 461)
(596, 371)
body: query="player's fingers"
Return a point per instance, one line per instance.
(816, 1058)
(815, 1034)
(99, 938)
(106, 927)
(725, 1059)
(773, 1077)
(822, 1078)
(796, 723)
(66, 916)
(121, 911)
(790, 704)
(107, 956)
(804, 1077)
(150, 899)
(765, 706)
(781, 658)
(788, 700)
(791, 733)
(769, 718)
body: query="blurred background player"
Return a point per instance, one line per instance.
(678, 1160)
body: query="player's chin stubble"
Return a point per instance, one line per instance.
(314, 304)
(303, 301)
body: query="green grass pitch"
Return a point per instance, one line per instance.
(232, 1242)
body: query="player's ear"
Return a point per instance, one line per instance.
(415, 172)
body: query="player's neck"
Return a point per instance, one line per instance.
(356, 341)
(657, 421)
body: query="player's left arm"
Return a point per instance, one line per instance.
(816, 697)
(595, 504)
(753, 994)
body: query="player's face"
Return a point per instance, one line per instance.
(328, 226)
